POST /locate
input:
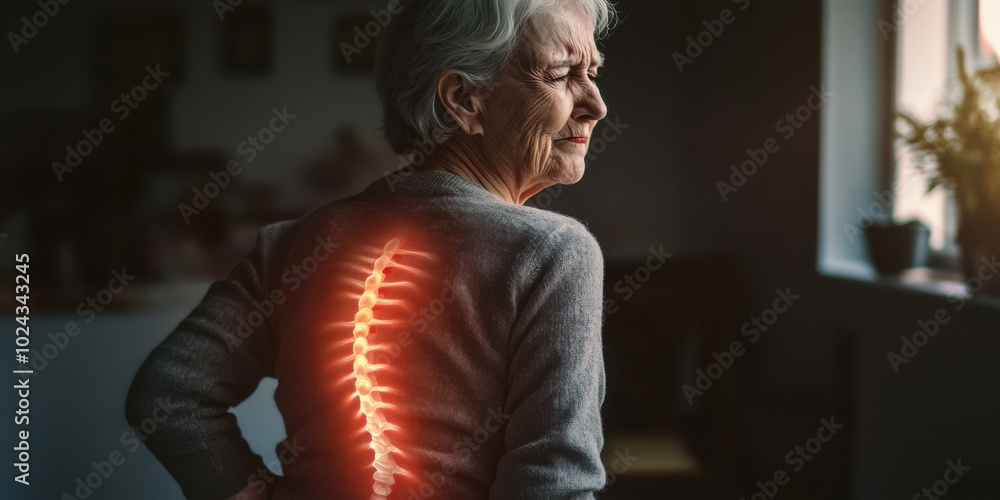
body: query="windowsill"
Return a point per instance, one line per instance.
(922, 280)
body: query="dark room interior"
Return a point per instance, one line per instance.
(755, 344)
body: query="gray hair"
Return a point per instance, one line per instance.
(475, 37)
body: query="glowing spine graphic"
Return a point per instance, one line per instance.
(367, 390)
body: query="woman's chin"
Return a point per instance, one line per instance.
(568, 172)
(573, 174)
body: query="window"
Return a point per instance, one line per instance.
(878, 60)
(926, 71)
(989, 29)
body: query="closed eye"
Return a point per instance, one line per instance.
(575, 74)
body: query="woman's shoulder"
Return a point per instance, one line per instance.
(483, 225)
(556, 226)
(547, 236)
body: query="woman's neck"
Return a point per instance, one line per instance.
(500, 180)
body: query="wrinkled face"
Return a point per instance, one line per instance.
(544, 109)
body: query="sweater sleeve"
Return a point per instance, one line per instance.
(554, 436)
(211, 362)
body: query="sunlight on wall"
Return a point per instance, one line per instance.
(989, 27)
(922, 77)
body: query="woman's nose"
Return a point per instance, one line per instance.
(591, 105)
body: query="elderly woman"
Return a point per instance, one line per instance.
(431, 336)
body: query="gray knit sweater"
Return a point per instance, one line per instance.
(471, 368)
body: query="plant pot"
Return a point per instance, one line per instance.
(979, 238)
(894, 248)
(982, 275)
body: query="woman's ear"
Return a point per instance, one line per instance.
(461, 101)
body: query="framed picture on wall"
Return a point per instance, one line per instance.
(248, 40)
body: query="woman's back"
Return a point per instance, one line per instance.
(428, 339)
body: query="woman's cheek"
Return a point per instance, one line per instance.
(537, 155)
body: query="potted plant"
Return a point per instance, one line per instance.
(960, 151)
(894, 248)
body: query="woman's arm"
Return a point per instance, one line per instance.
(181, 395)
(554, 436)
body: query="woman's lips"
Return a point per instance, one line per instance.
(577, 140)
